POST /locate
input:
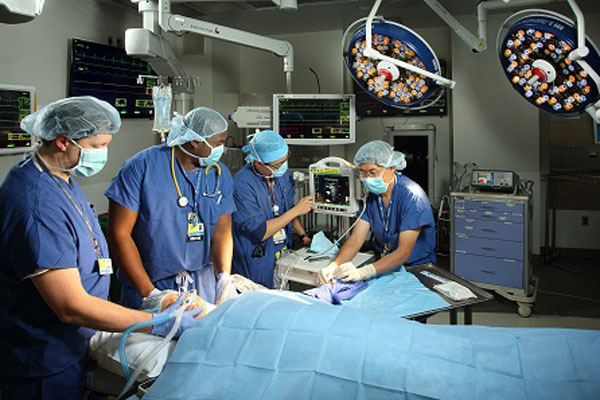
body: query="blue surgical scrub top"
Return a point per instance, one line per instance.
(252, 257)
(145, 185)
(409, 209)
(40, 229)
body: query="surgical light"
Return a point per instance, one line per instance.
(392, 63)
(550, 62)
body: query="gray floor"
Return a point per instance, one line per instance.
(568, 296)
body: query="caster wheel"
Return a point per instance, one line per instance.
(524, 310)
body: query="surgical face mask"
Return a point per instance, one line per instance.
(213, 157)
(375, 185)
(91, 161)
(279, 171)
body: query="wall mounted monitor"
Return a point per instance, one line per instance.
(315, 119)
(108, 73)
(16, 102)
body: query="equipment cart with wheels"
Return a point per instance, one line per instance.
(490, 242)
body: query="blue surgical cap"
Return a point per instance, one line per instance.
(266, 147)
(380, 153)
(199, 124)
(76, 117)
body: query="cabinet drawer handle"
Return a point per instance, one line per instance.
(461, 251)
(488, 249)
(487, 271)
(489, 230)
(470, 219)
(469, 228)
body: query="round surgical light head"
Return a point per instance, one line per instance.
(534, 54)
(384, 81)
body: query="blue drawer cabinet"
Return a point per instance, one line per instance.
(489, 228)
(489, 247)
(490, 239)
(481, 269)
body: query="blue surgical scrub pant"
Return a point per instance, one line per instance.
(68, 384)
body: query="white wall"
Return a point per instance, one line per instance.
(36, 54)
(493, 126)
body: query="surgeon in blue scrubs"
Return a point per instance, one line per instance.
(266, 213)
(398, 213)
(170, 212)
(54, 262)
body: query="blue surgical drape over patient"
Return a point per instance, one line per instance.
(145, 185)
(409, 209)
(252, 257)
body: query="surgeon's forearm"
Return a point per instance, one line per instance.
(406, 243)
(103, 315)
(63, 292)
(348, 251)
(222, 245)
(298, 227)
(391, 261)
(276, 224)
(127, 257)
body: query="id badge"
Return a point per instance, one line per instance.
(195, 228)
(387, 248)
(105, 266)
(280, 237)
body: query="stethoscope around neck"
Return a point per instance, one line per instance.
(183, 201)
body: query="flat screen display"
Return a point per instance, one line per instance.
(332, 190)
(315, 119)
(15, 104)
(108, 73)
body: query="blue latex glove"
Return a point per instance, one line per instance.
(225, 288)
(162, 329)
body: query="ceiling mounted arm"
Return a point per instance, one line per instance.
(479, 43)
(177, 23)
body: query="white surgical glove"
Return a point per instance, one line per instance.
(347, 272)
(326, 274)
(154, 292)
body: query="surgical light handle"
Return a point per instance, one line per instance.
(374, 54)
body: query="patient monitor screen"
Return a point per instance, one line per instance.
(333, 190)
(14, 106)
(108, 73)
(314, 118)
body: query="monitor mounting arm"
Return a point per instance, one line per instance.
(148, 43)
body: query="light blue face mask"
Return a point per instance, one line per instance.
(213, 157)
(375, 185)
(279, 171)
(91, 161)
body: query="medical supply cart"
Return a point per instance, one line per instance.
(490, 244)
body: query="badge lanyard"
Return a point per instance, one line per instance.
(385, 216)
(280, 237)
(104, 264)
(195, 228)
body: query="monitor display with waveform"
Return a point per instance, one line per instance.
(108, 73)
(16, 102)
